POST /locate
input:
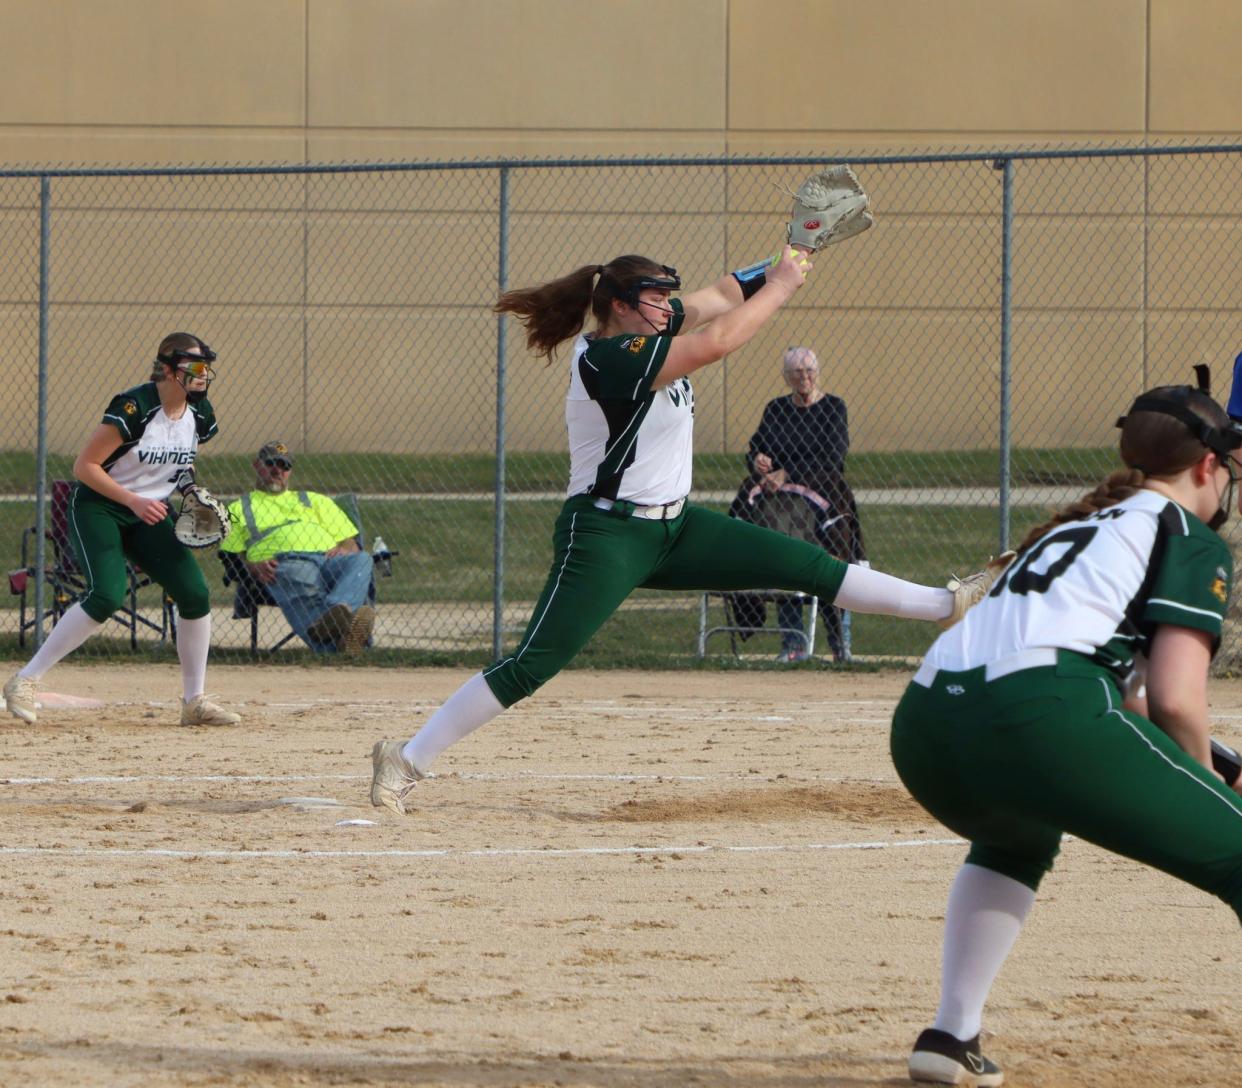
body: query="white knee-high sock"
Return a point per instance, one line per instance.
(984, 916)
(866, 590)
(469, 707)
(74, 628)
(193, 642)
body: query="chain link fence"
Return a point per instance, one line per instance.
(983, 338)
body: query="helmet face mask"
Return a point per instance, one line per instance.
(189, 362)
(1175, 401)
(1221, 439)
(669, 281)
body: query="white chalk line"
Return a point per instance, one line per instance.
(627, 706)
(513, 852)
(478, 776)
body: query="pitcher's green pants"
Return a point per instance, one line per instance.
(601, 557)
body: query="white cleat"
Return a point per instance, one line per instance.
(20, 699)
(201, 711)
(392, 775)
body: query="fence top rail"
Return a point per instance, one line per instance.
(996, 157)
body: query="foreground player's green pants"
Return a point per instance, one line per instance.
(601, 558)
(104, 534)
(1012, 763)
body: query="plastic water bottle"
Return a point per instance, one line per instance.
(382, 556)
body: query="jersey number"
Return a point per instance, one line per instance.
(1021, 579)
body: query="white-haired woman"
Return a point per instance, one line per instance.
(797, 462)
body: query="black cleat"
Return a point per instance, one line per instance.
(941, 1058)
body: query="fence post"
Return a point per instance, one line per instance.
(1006, 166)
(45, 236)
(498, 571)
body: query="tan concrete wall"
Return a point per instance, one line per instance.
(308, 286)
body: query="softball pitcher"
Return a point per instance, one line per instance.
(1017, 727)
(118, 511)
(626, 523)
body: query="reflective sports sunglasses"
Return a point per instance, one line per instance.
(196, 368)
(278, 462)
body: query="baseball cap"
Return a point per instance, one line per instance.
(275, 451)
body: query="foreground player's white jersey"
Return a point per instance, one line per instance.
(1099, 586)
(154, 448)
(627, 440)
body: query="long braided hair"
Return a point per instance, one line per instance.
(1152, 444)
(556, 311)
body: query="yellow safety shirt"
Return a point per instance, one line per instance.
(265, 525)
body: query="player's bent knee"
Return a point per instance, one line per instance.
(511, 683)
(193, 606)
(100, 606)
(1027, 869)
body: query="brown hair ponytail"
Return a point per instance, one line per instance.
(556, 311)
(1119, 485)
(553, 312)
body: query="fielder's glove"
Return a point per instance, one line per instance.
(828, 207)
(203, 519)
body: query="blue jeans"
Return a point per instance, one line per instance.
(309, 583)
(789, 618)
(789, 615)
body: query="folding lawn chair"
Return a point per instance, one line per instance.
(251, 595)
(66, 583)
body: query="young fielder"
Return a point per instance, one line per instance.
(1017, 728)
(630, 413)
(141, 451)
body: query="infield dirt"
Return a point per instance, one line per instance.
(632, 879)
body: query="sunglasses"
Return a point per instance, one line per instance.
(275, 462)
(196, 368)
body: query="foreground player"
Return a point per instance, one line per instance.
(118, 510)
(1015, 729)
(630, 413)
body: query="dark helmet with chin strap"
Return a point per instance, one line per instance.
(190, 359)
(617, 284)
(670, 281)
(1222, 439)
(624, 278)
(1176, 401)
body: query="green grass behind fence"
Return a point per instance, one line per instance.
(446, 547)
(446, 544)
(446, 557)
(384, 473)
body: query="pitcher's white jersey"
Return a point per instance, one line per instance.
(627, 440)
(1100, 586)
(154, 448)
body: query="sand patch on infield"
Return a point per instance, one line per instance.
(860, 802)
(181, 908)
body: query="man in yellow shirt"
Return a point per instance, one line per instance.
(303, 547)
